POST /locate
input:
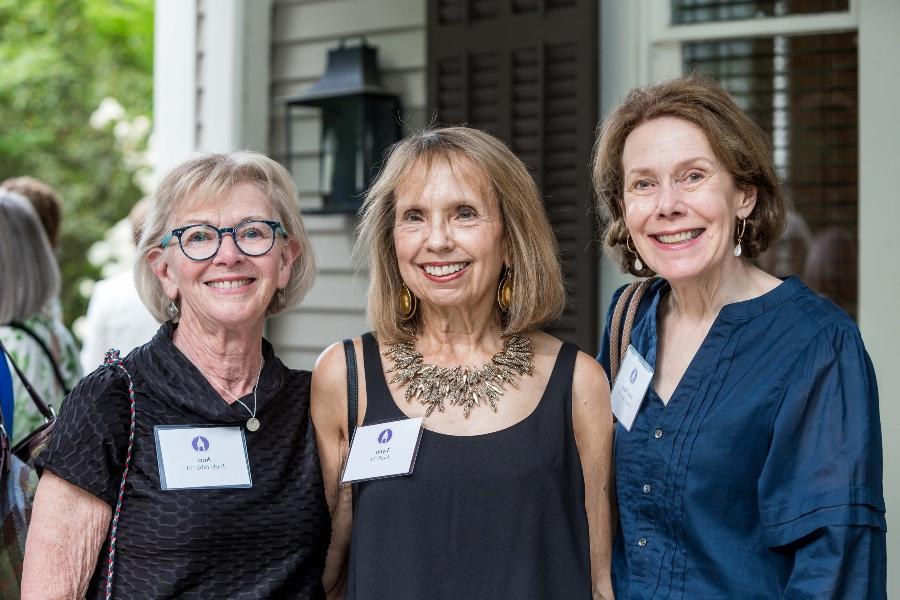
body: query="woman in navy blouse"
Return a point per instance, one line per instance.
(753, 465)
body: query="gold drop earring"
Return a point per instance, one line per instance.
(505, 290)
(408, 303)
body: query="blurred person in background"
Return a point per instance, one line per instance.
(31, 327)
(46, 202)
(116, 317)
(831, 267)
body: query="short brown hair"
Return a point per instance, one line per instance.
(46, 201)
(538, 291)
(737, 142)
(209, 175)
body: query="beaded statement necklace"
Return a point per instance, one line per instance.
(460, 386)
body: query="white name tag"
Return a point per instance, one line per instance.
(192, 457)
(383, 450)
(630, 387)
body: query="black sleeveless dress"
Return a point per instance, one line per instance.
(485, 517)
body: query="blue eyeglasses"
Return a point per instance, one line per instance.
(202, 242)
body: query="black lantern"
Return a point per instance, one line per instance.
(360, 120)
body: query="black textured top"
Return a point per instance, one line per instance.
(267, 541)
(497, 516)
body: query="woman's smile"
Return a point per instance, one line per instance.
(677, 240)
(444, 271)
(231, 283)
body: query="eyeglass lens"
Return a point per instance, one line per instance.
(253, 238)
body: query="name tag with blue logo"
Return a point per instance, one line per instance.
(630, 387)
(383, 450)
(191, 457)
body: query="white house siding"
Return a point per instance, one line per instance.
(302, 33)
(202, 25)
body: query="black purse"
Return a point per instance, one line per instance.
(29, 447)
(18, 484)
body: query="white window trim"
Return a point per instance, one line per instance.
(663, 40)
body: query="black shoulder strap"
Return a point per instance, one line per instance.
(59, 378)
(352, 388)
(42, 406)
(352, 403)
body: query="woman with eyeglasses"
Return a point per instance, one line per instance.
(222, 493)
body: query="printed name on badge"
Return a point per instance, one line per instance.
(383, 450)
(191, 457)
(630, 387)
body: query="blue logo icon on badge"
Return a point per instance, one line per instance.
(385, 436)
(633, 377)
(200, 444)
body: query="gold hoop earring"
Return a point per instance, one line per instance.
(505, 291)
(737, 249)
(408, 304)
(638, 265)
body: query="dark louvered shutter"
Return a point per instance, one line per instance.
(526, 71)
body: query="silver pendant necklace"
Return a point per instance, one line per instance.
(252, 423)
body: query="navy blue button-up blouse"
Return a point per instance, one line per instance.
(762, 477)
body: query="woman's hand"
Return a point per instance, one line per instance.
(592, 420)
(67, 530)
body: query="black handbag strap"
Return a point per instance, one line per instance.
(45, 409)
(352, 402)
(352, 388)
(59, 378)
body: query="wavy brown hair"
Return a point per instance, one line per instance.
(737, 142)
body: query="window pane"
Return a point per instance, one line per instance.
(705, 11)
(802, 91)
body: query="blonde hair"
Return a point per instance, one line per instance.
(737, 142)
(539, 295)
(208, 176)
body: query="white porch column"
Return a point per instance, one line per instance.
(879, 244)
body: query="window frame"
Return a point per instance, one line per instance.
(663, 40)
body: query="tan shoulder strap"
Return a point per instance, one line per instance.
(619, 332)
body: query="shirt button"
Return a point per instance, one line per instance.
(658, 433)
(646, 488)
(642, 542)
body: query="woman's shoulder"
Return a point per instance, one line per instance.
(822, 313)
(103, 381)
(799, 319)
(333, 359)
(329, 376)
(587, 370)
(654, 288)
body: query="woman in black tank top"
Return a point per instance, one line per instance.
(509, 496)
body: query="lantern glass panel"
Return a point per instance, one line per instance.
(340, 175)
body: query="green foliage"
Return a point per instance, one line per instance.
(58, 59)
